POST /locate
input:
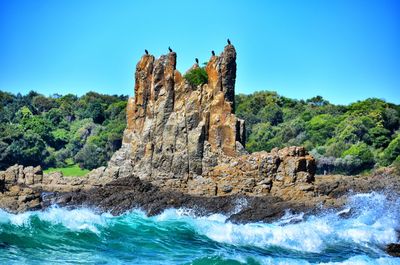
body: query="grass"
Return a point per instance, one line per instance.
(69, 171)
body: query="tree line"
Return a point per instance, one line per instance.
(343, 139)
(56, 130)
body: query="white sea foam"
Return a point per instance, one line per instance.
(75, 220)
(357, 260)
(365, 260)
(373, 224)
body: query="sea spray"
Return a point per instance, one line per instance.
(356, 234)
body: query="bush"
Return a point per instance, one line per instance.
(90, 157)
(30, 150)
(396, 165)
(362, 152)
(392, 151)
(197, 76)
(348, 165)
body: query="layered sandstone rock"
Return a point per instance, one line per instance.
(22, 188)
(180, 137)
(281, 173)
(16, 193)
(188, 138)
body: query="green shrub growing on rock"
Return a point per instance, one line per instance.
(197, 76)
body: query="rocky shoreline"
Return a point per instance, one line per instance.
(27, 188)
(184, 148)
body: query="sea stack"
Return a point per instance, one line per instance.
(184, 137)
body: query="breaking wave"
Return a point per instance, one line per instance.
(356, 234)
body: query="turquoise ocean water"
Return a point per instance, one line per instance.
(82, 236)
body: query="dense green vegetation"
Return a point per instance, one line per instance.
(344, 139)
(73, 134)
(57, 130)
(197, 76)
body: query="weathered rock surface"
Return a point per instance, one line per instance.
(188, 138)
(16, 191)
(21, 188)
(393, 249)
(126, 193)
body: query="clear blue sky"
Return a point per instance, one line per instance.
(344, 50)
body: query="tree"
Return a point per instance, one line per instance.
(95, 111)
(353, 129)
(261, 135)
(321, 127)
(38, 125)
(392, 151)
(43, 104)
(116, 111)
(361, 152)
(380, 136)
(60, 138)
(90, 157)
(348, 165)
(29, 150)
(317, 101)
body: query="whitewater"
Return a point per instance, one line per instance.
(355, 234)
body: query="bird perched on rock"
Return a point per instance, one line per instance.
(197, 61)
(213, 53)
(146, 51)
(170, 50)
(229, 41)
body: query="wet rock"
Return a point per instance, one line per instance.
(393, 249)
(124, 194)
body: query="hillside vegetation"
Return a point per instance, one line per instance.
(343, 139)
(60, 131)
(66, 131)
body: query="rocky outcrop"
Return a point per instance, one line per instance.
(171, 124)
(188, 138)
(126, 193)
(288, 170)
(22, 188)
(15, 186)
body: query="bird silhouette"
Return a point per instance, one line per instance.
(197, 61)
(146, 51)
(229, 41)
(213, 53)
(169, 48)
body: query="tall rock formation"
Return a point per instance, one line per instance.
(181, 136)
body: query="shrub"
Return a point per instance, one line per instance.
(392, 151)
(396, 165)
(348, 165)
(196, 76)
(90, 157)
(362, 152)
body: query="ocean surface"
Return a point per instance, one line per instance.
(356, 234)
